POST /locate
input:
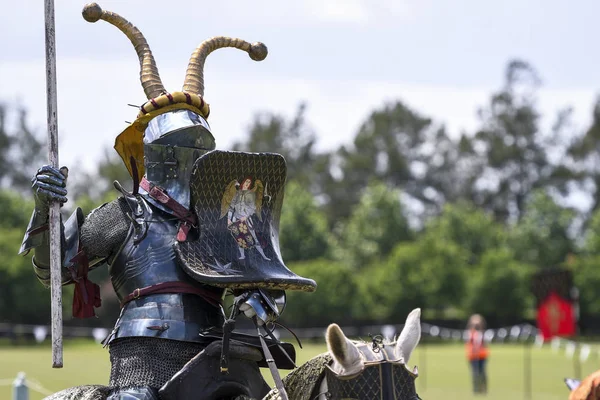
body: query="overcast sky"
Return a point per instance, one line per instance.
(344, 58)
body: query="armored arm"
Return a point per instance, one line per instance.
(86, 241)
(70, 249)
(49, 184)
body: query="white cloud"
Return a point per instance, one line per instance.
(93, 99)
(356, 11)
(337, 10)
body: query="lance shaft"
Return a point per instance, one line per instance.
(54, 217)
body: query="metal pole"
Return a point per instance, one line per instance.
(20, 390)
(422, 365)
(54, 218)
(527, 369)
(577, 363)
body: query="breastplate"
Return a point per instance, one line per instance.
(146, 258)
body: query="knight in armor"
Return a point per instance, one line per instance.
(169, 253)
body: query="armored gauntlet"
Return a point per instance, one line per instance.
(48, 184)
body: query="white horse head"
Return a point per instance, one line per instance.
(350, 357)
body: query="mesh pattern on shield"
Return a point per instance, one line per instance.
(148, 361)
(215, 258)
(105, 229)
(207, 193)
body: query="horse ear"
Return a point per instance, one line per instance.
(410, 335)
(343, 351)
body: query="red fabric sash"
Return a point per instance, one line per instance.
(87, 294)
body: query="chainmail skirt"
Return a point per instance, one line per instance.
(144, 361)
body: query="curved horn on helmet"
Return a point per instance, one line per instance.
(194, 76)
(151, 82)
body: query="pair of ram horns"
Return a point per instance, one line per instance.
(194, 77)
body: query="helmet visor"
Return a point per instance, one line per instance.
(170, 122)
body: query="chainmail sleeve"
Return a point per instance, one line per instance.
(105, 229)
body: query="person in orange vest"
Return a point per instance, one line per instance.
(477, 352)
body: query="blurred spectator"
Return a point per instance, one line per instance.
(477, 353)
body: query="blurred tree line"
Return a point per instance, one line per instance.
(406, 216)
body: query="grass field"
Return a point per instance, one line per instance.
(443, 371)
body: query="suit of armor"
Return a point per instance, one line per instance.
(168, 316)
(155, 334)
(142, 360)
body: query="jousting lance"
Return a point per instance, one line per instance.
(54, 216)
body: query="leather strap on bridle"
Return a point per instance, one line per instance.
(271, 362)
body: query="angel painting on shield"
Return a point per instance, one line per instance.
(240, 202)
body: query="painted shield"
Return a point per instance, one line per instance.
(237, 198)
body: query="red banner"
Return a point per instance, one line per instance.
(556, 317)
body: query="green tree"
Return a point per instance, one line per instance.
(452, 168)
(511, 145)
(542, 237)
(22, 149)
(587, 279)
(389, 147)
(591, 243)
(24, 299)
(585, 151)
(89, 196)
(15, 210)
(294, 140)
(426, 273)
(498, 288)
(5, 144)
(586, 267)
(376, 226)
(333, 299)
(468, 227)
(303, 227)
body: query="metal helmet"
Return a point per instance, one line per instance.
(171, 130)
(172, 143)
